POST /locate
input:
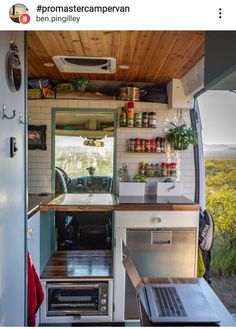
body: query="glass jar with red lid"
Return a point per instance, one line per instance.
(152, 145)
(173, 169)
(163, 169)
(147, 145)
(137, 145)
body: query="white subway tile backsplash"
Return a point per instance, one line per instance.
(40, 161)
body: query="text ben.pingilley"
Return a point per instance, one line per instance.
(56, 19)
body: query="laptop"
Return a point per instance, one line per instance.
(170, 303)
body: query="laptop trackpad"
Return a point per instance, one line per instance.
(181, 303)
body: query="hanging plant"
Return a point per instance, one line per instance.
(180, 136)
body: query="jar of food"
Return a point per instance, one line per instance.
(173, 172)
(130, 123)
(137, 145)
(158, 144)
(147, 145)
(130, 114)
(123, 117)
(145, 119)
(158, 170)
(130, 109)
(142, 166)
(163, 169)
(142, 145)
(138, 120)
(162, 145)
(131, 145)
(152, 145)
(152, 120)
(168, 169)
(150, 170)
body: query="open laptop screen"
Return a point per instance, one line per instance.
(131, 269)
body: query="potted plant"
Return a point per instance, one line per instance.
(180, 136)
(123, 173)
(140, 178)
(131, 188)
(81, 84)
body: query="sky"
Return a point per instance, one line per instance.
(218, 116)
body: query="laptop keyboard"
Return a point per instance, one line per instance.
(168, 302)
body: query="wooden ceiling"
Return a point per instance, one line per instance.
(153, 56)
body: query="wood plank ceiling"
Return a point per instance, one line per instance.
(153, 56)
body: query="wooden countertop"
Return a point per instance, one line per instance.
(109, 202)
(35, 200)
(77, 264)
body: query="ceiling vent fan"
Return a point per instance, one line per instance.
(84, 64)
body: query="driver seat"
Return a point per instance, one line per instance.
(60, 184)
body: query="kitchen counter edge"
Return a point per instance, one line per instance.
(121, 207)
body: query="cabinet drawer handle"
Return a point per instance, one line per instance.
(157, 220)
(30, 233)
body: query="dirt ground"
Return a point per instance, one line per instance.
(225, 288)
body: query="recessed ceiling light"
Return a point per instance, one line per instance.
(48, 64)
(124, 67)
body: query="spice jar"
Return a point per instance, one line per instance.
(145, 119)
(158, 170)
(130, 114)
(138, 120)
(173, 172)
(168, 169)
(163, 169)
(162, 144)
(131, 145)
(142, 145)
(137, 145)
(152, 145)
(147, 145)
(123, 117)
(152, 121)
(142, 166)
(150, 170)
(158, 144)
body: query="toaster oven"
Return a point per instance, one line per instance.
(77, 301)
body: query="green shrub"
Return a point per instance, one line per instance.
(223, 258)
(221, 198)
(221, 202)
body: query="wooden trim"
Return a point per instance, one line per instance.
(121, 207)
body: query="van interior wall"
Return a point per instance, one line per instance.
(12, 190)
(40, 162)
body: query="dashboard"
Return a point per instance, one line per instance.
(91, 184)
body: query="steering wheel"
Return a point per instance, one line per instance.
(64, 174)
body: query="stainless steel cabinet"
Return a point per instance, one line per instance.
(161, 243)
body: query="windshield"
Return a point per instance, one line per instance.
(75, 158)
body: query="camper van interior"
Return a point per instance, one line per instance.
(95, 161)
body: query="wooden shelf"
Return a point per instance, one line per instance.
(137, 127)
(84, 133)
(147, 152)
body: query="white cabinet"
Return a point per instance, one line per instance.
(177, 258)
(33, 238)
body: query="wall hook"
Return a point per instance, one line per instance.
(21, 121)
(4, 116)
